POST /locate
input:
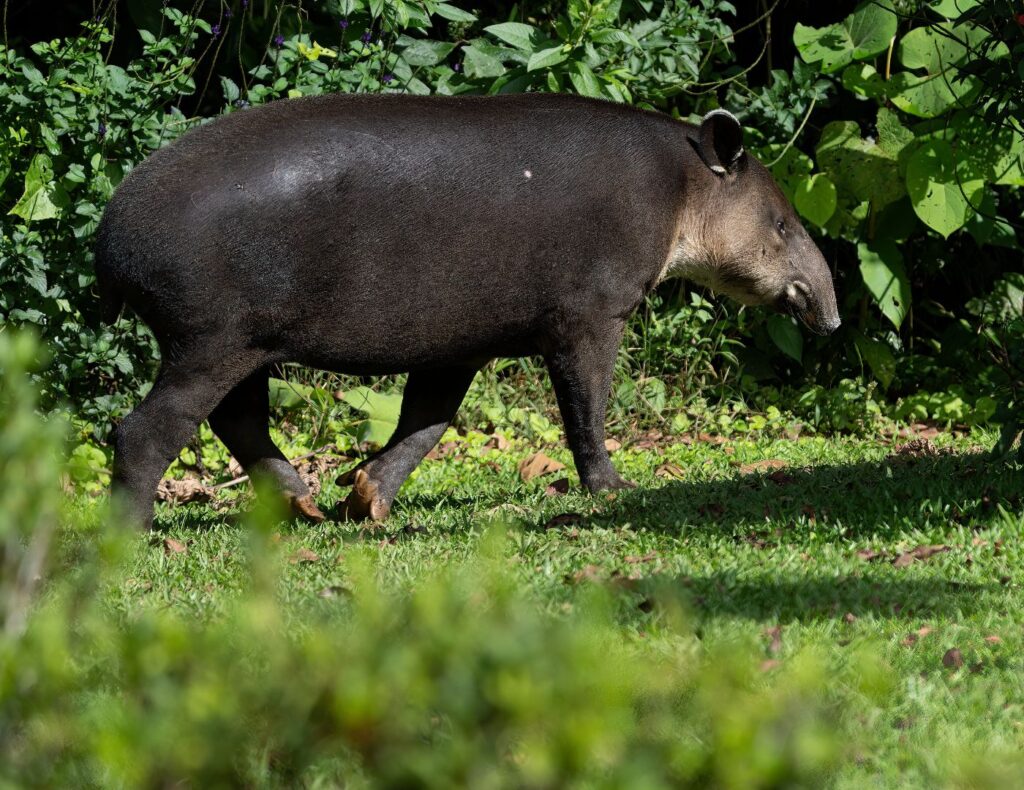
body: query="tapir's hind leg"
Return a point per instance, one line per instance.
(150, 438)
(242, 422)
(429, 404)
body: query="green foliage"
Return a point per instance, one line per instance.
(30, 496)
(460, 681)
(917, 170)
(381, 412)
(866, 32)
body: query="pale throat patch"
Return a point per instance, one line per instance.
(688, 260)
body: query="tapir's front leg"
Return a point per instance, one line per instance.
(581, 371)
(429, 403)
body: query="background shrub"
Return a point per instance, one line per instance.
(892, 126)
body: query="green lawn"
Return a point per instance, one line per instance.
(816, 555)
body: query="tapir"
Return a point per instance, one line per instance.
(376, 235)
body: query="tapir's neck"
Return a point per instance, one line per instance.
(688, 259)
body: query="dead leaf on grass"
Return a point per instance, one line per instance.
(443, 451)
(993, 639)
(670, 471)
(850, 618)
(870, 555)
(781, 478)
(953, 659)
(775, 635)
(761, 466)
(769, 664)
(303, 555)
(648, 557)
(918, 553)
(558, 488)
(537, 465)
(911, 639)
(496, 442)
(925, 431)
(563, 520)
(589, 573)
(172, 546)
(611, 445)
(181, 492)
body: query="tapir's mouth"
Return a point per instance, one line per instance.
(796, 301)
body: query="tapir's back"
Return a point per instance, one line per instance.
(369, 232)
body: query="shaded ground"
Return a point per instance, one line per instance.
(834, 545)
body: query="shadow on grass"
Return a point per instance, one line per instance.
(869, 499)
(807, 598)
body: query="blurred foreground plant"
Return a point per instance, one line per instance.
(461, 681)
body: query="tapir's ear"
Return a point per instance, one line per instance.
(721, 141)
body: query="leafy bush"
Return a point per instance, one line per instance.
(459, 682)
(894, 132)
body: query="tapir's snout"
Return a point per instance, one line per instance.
(810, 297)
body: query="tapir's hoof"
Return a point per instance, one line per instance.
(610, 484)
(364, 503)
(305, 508)
(349, 477)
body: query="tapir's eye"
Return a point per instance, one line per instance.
(780, 225)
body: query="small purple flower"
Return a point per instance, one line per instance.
(366, 37)
(228, 13)
(457, 67)
(215, 30)
(245, 3)
(279, 40)
(387, 78)
(101, 130)
(343, 24)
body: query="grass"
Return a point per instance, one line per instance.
(775, 560)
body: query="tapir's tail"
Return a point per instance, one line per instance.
(111, 301)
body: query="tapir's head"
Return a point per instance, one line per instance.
(741, 237)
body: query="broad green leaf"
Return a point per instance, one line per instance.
(940, 196)
(546, 58)
(881, 267)
(815, 198)
(454, 14)
(857, 166)
(611, 35)
(381, 412)
(43, 197)
(288, 395)
(893, 136)
(789, 167)
(989, 151)
(878, 356)
(936, 51)
(952, 9)
(516, 34)
(424, 52)
(584, 80)
(863, 34)
(863, 79)
(786, 335)
(231, 91)
(480, 64)
(987, 227)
